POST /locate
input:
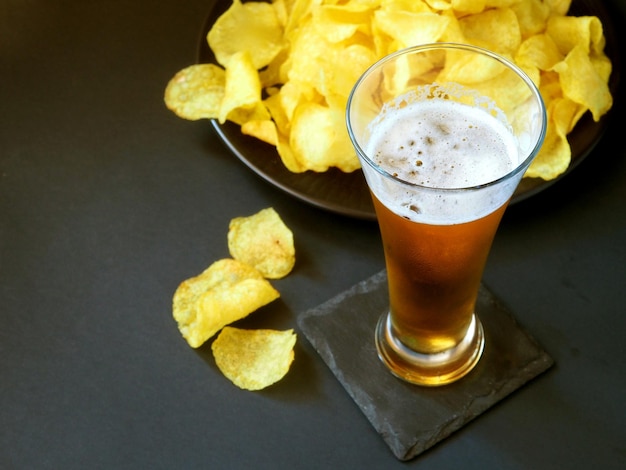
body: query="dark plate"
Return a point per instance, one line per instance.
(347, 193)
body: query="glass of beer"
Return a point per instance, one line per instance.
(444, 134)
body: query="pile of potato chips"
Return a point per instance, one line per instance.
(261, 247)
(285, 68)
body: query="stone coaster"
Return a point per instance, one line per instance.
(411, 418)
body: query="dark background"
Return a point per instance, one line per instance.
(108, 201)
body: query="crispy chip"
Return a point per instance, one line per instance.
(319, 140)
(559, 7)
(569, 32)
(196, 92)
(410, 29)
(264, 130)
(226, 291)
(254, 359)
(339, 22)
(495, 29)
(554, 156)
(582, 83)
(252, 27)
(539, 51)
(242, 93)
(263, 241)
(532, 16)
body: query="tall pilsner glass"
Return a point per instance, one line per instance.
(444, 133)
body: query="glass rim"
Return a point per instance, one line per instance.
(460, 46)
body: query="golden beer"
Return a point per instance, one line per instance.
(434, 272)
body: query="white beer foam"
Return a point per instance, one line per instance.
(439, 143)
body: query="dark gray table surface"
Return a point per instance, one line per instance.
(108, 201)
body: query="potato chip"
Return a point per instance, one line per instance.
(569, 32)
(411, 29)
(299, 11)
(559, 7)
(461, 6)
(539, 51)
(264, 242)
(339, 22)
(226, 291)
(554, 156)
(242, 92)
(274, 105)
(288, 157)
(342, 69)
(495, 29)
(319, 139)
(264, 130)
(582, 83)
(308, 48)
(254, 359)
(252, 27)
(196, 92)
(532, 16)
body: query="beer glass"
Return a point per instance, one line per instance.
(444, 133)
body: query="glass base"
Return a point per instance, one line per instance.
(429, 369)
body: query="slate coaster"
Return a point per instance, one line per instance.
(411, 418)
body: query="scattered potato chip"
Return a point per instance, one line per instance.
(226, 291)
(263, 241)
(254, 359)
(305, 55)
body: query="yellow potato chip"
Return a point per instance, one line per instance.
(342, 69)
(226, 291)
(569, 32)
(274, 74)
(532, 16)
(288, 157)
(196, 92)
(582, 83)
(559, 7)
(308, 48)
(292, 94)
(496, 29)
(254, 359)
(298, 13)
(264, 130)
(339, 22)
(461, 6)
(252, 27)
(414, 5)
(280, 7)
(411, 29)
(277, 112)
(554, 156)
(242, 92)
(539, 51)
(264, 242)
(319, 139)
